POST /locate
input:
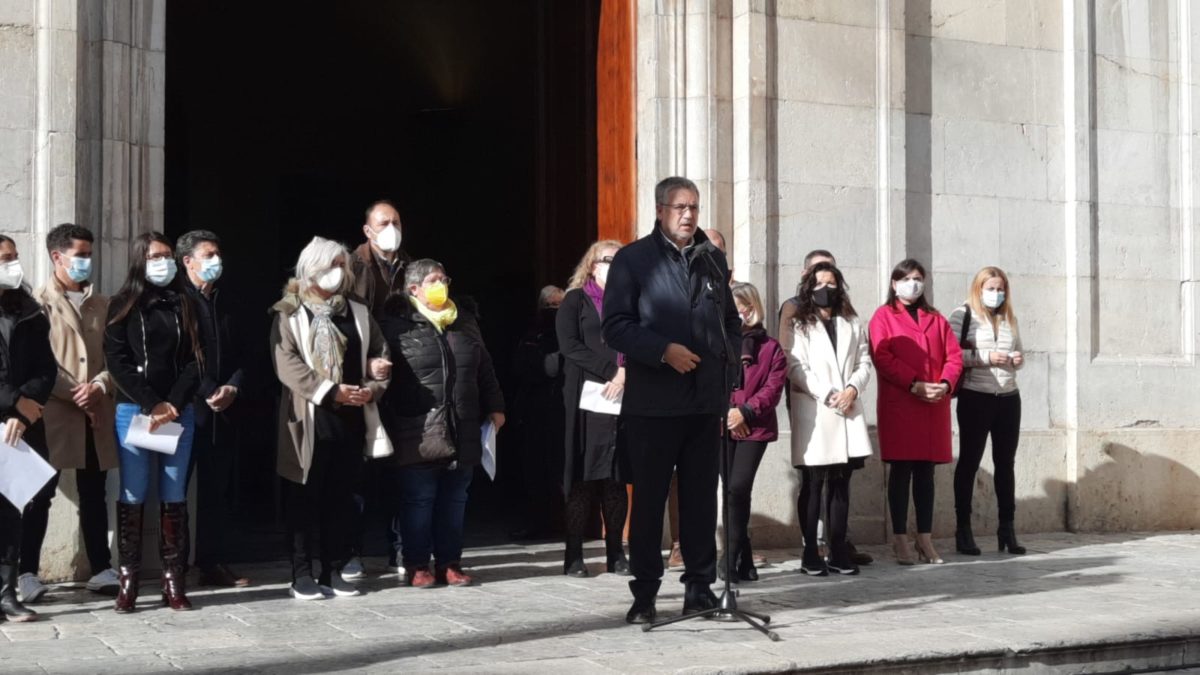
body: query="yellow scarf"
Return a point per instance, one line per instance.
(439, 318)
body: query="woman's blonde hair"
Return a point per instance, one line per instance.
(747, 294)
(975, 298)
(583, 271)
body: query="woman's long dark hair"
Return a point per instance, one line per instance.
(904, 268)
(807, 312)
(135, 287)
(12, 299)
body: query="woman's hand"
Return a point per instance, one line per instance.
(998, 358)
(612, 391)
(735, 419)
(936, 392)
(620, 378)
(29, 409)
(14, 431)
(161, 414)
(348, 394)
(1018, 359)
(844, 399)
(381, 369)
(497, 419)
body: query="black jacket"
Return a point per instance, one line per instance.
(427, 368)
(655, 296)
(585, 357)
(169, 371)
(222, 350)
(27, 365)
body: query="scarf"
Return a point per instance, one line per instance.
(325, 342)
(751, 339)
(593, 291)
(439, 318)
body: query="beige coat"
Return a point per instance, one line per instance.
(77, 339)
(821, 436)
(303, 387)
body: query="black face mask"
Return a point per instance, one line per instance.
(826, 297)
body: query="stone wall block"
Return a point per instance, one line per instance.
(1114, 469)
(18, 77)
(1133, 94)
(828, 217)
(115, 206)
(117, 91)
(828, 63)
(1036, 24)
(1139, 318)
(16, 180)
(994, 159)
(985, 82)
(826, 145)
(980, 21)
(117, 20)
(1041, 315)
(18, 12)
(64, 76)
(1048, 89)
(1133, 168)
(966, 232)
(1136, 29)
(1031, 237)
(63, 178)
(834, 12)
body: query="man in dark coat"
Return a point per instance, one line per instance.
(215, 439)
(668, 308)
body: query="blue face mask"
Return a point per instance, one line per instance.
(210, 269)
(79, 269)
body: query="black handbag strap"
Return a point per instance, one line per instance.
(966, 326)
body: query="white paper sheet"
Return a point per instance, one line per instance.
(488, 437)
(164, 439)
(592, 399)
(22, 472)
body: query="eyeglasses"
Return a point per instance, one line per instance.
(682, 208)
(444, 280)
(606, 260)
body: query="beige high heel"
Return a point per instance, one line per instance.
(901, 550)
(925, 551)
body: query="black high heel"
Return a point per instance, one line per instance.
(1006, 537)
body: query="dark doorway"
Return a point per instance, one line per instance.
(476, 118)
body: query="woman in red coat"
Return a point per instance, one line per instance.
(918, 360)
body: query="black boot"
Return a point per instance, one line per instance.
(1007, 538)
(964, 540)
(573, 559)
(618, 564)
(129, 555)
(10, 607)
(746, 571)
(173, 550)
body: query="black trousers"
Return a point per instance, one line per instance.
(320, 513)
(827, 486)
(978, 416)
(920, 475)
(93, 515)
(213, 455)
(741, 459)
(688, 446)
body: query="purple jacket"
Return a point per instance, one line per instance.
(763, 382)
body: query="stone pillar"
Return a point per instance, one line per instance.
(81, 140)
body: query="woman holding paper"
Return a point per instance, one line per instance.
(829, 367)
(592, 388)
(27, 375)
(332, 361)
(443, 394)
(152, 348)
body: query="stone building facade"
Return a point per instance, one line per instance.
(1053, 138)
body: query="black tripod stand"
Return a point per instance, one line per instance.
(727, 610)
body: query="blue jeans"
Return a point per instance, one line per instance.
(137, 464)
(433, 504)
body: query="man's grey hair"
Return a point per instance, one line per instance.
(548, 295)
(668, 185)
(317, 257)
(187, 243)
(417, 270)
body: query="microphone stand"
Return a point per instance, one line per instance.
(728, 609)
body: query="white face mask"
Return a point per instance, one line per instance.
(160, 272)
(992, 299)
(910, 289)
(601, 275)
(11, 274)
(388, 239)
(330, 280)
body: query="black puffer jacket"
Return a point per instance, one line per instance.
(428, 368)
(27, 365)
(169, 371)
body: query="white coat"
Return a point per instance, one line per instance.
(821, 436)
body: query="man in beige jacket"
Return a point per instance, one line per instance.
(79, 415)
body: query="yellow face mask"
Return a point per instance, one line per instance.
(436, 294)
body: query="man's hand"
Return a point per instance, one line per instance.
(87, 395)
(381, 369)
(497, 419)
(29, 409)
(680, 358)
(222, 398)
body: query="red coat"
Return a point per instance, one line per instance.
(903, 351)
(762, 387)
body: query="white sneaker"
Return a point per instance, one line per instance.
(398, 569)
(106, 581)
(30, 587)
(353, 569)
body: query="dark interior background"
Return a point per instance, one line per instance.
(475, 117)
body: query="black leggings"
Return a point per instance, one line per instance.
(836, 483)
(743, 458)
(581, 506)
(920, 474)
(320, 512)
(978, 415)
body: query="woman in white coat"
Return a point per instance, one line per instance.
(829, 366)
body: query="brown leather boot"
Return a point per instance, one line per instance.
(173, 550)
(129, 555)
